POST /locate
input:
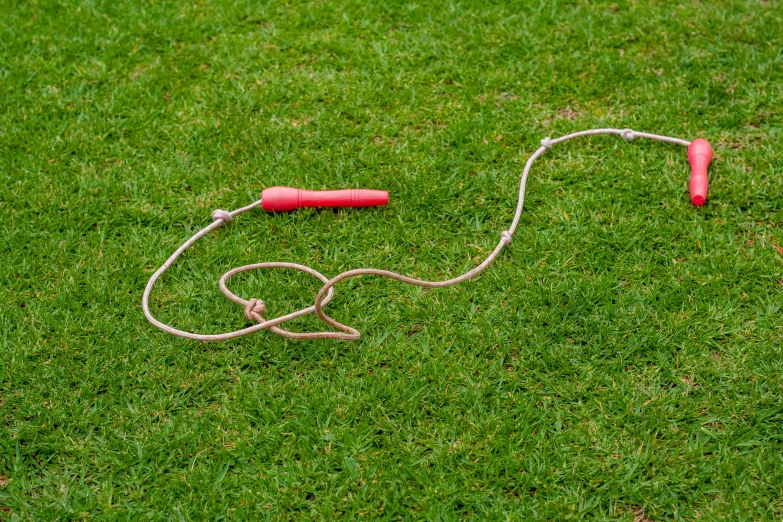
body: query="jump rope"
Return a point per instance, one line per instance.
(281, 199)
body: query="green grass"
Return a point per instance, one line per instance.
(620, 360)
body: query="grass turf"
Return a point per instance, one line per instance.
(620, 360)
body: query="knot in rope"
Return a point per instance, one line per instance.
(222, 216)
(253, 310)
(628, 134)
(505, 236)
(546, 143)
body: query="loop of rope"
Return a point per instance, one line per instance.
(253, 308)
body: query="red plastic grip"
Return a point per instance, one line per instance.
(277, 199)
(699, 156)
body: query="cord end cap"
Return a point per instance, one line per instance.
(699, 156)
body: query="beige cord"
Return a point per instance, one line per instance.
(254, 308)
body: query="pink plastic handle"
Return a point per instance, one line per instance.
(277, 199)
(699, 156)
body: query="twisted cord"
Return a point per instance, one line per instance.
(254, 308)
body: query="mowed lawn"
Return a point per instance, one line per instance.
(621, 360)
